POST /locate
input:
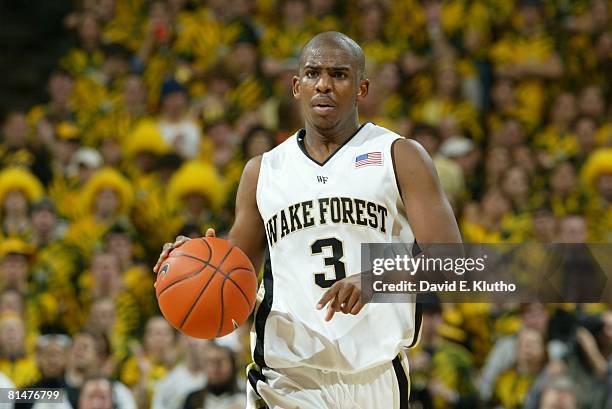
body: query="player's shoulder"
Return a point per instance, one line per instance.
(409, 148)
(377, 134)
(250, 173)
(376, 131)
(281, 153)
(287, 144)
(411, 158)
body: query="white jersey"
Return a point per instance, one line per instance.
(316, 216)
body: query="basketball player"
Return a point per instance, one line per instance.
(313, 200)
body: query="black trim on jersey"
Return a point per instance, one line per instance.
(263, 311)
(300, 141)
(418, 320)
(418, 307)
(254, 375)
(402, 381)
(399, 189)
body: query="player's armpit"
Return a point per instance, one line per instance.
(427, 208)
(248, 232)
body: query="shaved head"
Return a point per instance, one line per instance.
(338, 40)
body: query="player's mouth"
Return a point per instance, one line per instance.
(323, 107)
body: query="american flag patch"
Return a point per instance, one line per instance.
(369, 159)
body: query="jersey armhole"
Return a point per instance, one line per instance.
(399, 189)
(259, 182)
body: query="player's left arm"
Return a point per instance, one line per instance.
(427, 208)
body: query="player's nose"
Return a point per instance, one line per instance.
(324, 83)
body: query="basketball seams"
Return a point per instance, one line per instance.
(204, 289)
(190, 275)
(238, 287)
(201, 260)
(222, 306)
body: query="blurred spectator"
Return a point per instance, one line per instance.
(544, 225)
(443, 369)
(15, 265)
(467, 155)
(450, 173)
(106, 198)
(46, 228)
(51, 358)
(88, 55)
(526, 54)
(110, 149)
(591, 102)
(559, 394)
(187, 377)
(105, 282)
(59, 108)
(221, 135)
(515, 186)
(446, 102)
(15, 361)
(96, 393)
(512, 386)
(135, 275)
(497, 160)
(565, 197)
(89, 357)
(14, 150)
(18, 189)
(103, 319)
(585, 129)
(573, 229)
(221, 388)
(257, 141)
(557, 141)
(503, 356)
(195, 201)
(178, 129)
(12, 300)
(487, 222)
(150, 362)
(597, 177)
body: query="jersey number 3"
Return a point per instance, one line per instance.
(334, 261)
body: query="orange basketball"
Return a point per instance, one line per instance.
(206, 288)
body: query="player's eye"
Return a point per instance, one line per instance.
(311, 74)
(339, 74)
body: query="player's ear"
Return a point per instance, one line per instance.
(295, 86)
(364, 87)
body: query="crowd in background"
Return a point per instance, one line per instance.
(153, 113)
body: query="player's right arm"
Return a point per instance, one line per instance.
(248, 231)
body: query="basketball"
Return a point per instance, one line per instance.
(206, 288)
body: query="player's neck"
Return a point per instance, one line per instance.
(320, 143)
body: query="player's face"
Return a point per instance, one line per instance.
(328, 87)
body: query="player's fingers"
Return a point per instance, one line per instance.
(164, 254)
(344, 293)
(330, 313)
(352, 301)
(327, 296)
(211, 233)
(358, 307)
(343, 296)
(179, 241)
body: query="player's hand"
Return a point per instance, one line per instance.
(168, 247)
(344, 296)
